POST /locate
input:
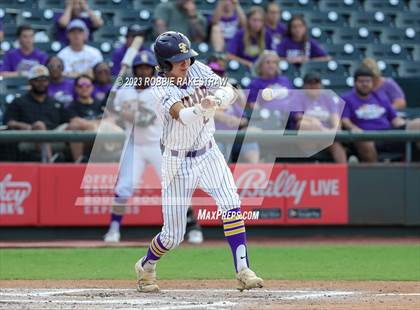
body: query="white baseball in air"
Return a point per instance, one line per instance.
(276, 93)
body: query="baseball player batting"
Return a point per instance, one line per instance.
(136, 105)
(191, 157)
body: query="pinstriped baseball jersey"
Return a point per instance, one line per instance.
(200, 82)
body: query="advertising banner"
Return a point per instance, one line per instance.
(19, 190)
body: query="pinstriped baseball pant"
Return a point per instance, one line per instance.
(180, 177)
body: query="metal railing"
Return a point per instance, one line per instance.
(265, 138)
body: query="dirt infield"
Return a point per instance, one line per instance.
(207, 294)
(284, 241)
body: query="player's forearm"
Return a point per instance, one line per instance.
(241, 15)
(399, 103)
(95, 19)
(65, 18)
(348, 124)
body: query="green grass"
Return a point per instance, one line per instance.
(319, 262)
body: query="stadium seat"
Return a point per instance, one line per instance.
(38, 19)
(386, 6)
(298, 5)
(370, 20)
(124, 18)
(323, 68)
(336, 82)
(416, 52)
(390, 53)
(106, 33)
(320, 19)
(414, 6)
(322, 35)
(344, 53)
(207, 6)
(406, 20)
(110, 5)
(9, 32)
(47, 47)
(288, 70)
(18, 4)
(386, 70)
(401, 36)
(238, 73)
(409, 69)
(146, 4)
(204, 50)
(51, 4)
(7, 18)
(105, 47)
(354, 35)
(342, 7)
(13, 85)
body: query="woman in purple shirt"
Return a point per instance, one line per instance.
(60, 87)
(274, 27)
(296, 47)
(102, 81)
(249, 43)
(269, 76)
(385, 86)
(227, 18)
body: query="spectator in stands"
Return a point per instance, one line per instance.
(274, 27)
(102, 81)
(75, 9)
(227, 18)
(319, 110)
(86, 114)
(21, 60)
(36, 110)
(1, 29)
(118, 54)
(250, 42)
(365, 110)
(60, 87)
(385, 86)
(296, 47)
(78, 57)
(182, 16)
(267, 75)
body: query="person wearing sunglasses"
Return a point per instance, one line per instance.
(102, 81)
(60, 87)
(85, 113)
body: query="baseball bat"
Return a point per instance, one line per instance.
(125, 65)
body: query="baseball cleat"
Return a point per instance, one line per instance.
(247, 279)
(112, 236)
(195, 236)
(146, 280)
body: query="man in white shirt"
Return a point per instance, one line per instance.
(78, 57)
